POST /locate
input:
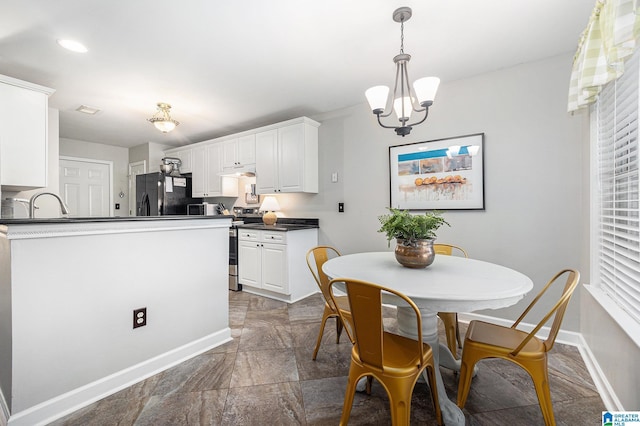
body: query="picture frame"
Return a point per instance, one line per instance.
(431, 175)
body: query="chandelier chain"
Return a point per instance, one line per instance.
(402, 36)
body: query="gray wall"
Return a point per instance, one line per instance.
(536, 195)
(96, 151)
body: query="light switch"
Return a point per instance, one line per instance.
(334, 177)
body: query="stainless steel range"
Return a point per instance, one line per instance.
(233, 256)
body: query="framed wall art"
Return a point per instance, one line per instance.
(443, 174)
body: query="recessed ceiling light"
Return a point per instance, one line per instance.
(72, 45)
(87, 109)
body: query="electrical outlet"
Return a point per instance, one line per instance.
(139, 317)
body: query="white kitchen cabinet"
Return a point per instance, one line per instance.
(205, 173)
(186, 157)
(272, 263)
(238, 152)
(23, 134)
(287, 158)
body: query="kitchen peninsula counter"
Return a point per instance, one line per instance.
(68, 289)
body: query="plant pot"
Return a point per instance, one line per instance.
(417, 254)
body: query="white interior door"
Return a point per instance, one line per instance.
(135, 169)
(85, 186)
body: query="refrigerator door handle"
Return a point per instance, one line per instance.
(145, 208)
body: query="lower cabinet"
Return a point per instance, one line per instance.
(273, 264)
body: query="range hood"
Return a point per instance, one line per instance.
(247, 170)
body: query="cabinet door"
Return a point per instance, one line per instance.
(185, 156)
(266, 162)
(249, 263)
(214, 163)
(291, 158)
(274, 268)
(230, 154)
(199, 172)
(23, 137)
(247, 150)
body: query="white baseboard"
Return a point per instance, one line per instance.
(609, 398)
(69, 402)
(277, 296)
(4, 410)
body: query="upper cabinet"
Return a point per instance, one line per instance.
(238, 152)
(206, 169)
(185, 154)
(287, 158)
(23, 134)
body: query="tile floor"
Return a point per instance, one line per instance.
(265, 376)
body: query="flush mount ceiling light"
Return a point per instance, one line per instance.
(405, 99)
(162, 120)
(72, 45)
(88, 109)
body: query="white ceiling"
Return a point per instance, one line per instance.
(228, 66)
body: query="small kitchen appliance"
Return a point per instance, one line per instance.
(203, 209)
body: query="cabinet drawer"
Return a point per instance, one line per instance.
(248, 235)
(274, 237)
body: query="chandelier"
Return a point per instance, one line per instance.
(162, 120)
(405, 99)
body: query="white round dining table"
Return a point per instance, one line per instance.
(449, 284)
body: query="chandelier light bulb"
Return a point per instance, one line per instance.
(406, 98)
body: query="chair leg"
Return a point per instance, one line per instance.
(367, 389)
(458, 332)
(325, 316)
(352, 381)
(466, 374)
(540, 376)
(431, 379)
(450, 328)
(399, 392)
(338, 329)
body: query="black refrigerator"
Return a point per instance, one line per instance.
(158, 194)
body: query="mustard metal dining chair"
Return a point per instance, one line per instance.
(316, 257)
(485, 340)
(395, 361)
(450, 319)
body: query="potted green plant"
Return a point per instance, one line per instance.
(414, 234)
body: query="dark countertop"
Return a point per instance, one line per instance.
(57, 220)
(277, 227)
(283, 224)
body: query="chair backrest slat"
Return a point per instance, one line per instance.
(316, 257)
(448, 249)
(366, 310)
(557, 311)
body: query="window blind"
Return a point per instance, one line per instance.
(618, 195)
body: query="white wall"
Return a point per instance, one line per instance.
(96, 151)
(534, 189)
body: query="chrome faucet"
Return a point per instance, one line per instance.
(32, 203)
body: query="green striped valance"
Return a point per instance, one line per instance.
(609, 38)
